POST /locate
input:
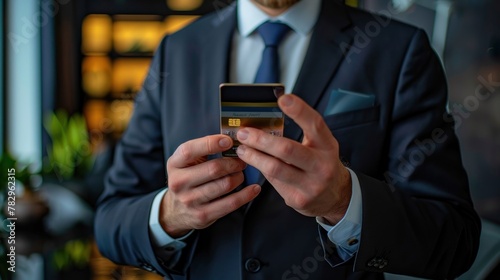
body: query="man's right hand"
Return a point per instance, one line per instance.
(198, 189)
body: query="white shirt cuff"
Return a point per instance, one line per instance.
(158, 235)
(347, 232)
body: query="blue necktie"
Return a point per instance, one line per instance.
(272, 33)
(269, 70)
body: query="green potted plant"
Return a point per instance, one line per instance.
(68, 162)
(69, 156)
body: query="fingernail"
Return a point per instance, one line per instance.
(256, 189)
(241, 150)
(286, 100)
(224, 143)
(242, 134)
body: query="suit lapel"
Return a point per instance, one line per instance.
(215, 49)
(322, 58)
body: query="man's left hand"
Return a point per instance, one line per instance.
(309, 175)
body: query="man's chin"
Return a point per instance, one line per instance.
(276, 4)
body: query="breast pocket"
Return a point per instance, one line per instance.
(353, 118)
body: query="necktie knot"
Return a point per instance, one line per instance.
(272, 32)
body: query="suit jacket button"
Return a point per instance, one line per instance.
(372, 262)
(352, 241)
(383, 263)
(252, 265)
(147, 267)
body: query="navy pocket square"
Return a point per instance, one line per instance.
(344, 101)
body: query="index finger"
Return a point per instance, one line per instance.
(192, 150)
(311, 122)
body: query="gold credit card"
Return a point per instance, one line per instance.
(250, 105)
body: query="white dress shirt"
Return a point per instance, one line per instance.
(245, 59)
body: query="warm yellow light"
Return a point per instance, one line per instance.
(184, 5)
(174, 23)
(137, 36)
(96, 34)
(128, 75)
(96, 76)
(96, 114)
(120, 112)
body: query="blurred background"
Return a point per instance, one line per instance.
(69, 71)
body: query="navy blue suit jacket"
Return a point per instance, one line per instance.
(418, 217)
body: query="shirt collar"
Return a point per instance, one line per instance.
(301, 17)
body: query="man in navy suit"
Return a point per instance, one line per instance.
(368, 178)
